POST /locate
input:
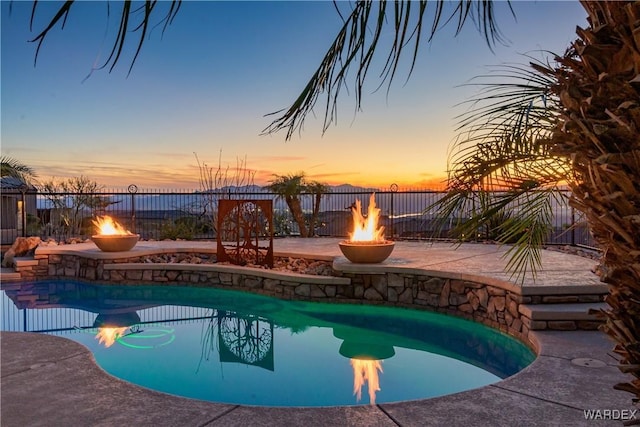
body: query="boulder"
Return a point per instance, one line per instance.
(21, 247)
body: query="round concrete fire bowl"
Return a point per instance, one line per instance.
(366, 252)
(115, 242)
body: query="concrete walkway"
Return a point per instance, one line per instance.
(52, 381)
(470, 259)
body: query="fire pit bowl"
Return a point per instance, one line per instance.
(366, 252)
(115, 242)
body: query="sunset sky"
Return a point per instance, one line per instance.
(207, 84)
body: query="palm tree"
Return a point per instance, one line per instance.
(598, 130)
(11, 167)
(290, 187)
(577, 122)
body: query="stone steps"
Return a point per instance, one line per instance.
(8, 275)
(565, 317)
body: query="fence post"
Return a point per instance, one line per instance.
(133, 189)
(573, 226)
(23, 210)
(394, 189)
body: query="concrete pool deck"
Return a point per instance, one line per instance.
(52, 381)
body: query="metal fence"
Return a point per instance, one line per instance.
(69, 320)
(189, 214)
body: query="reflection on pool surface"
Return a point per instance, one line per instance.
(234, 347)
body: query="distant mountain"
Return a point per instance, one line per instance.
(235, 189)
(352, 188)
(342, 188)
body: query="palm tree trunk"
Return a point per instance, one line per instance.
(317, 198)
(599, 87)
(298, 215)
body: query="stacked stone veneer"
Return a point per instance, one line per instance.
(497, 305)
(490, 305)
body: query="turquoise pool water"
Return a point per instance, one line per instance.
(234, 347)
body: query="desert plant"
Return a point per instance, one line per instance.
(282, 222)
(174, 230)
(72, 199)
(221, 182)
(34, 225)
(598, 129)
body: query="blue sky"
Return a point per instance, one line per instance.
(206, 84)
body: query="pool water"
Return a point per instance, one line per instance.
(240, 348)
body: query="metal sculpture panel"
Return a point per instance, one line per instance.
(246, 339)
(245, 232)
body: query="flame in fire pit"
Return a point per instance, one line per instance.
(108, 335)
(365, 370)
(108, 227)
(366, 229)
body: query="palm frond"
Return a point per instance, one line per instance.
(503, 139)
(358, 42)
(527, 228)
(13, 168)
(131, 21)
(502, 168)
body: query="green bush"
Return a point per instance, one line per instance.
(34, 227)
(182, 228)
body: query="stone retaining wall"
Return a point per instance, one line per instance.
(482, 303)
(491, 305)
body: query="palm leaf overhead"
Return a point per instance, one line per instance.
(360, 40)
(13, 168)
(131, 20)
(502, 165)
(356, 46)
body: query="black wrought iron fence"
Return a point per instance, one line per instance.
(191, 215)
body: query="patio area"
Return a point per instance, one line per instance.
(49, 380)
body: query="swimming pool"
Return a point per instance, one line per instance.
(234, 347)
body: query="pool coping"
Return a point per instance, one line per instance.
(469, 260)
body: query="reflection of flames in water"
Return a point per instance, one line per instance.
(366, 229)
(109, 335)
(108, 227)
(366, 370)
